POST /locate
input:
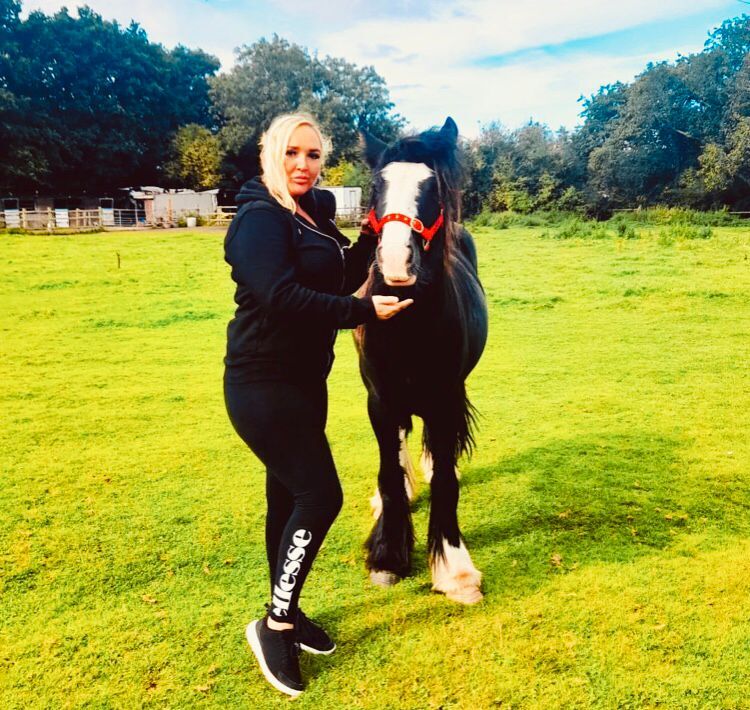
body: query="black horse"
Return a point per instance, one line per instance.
(417, 362)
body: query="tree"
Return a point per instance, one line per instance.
(519, 170)
(732, 39)
(196, 158)
(10, 11)
(723, 168)
(665, 137)
(481, 157)
(276, 76)
(650, 143)
(600, 113)
(92, 104)
(348, 173)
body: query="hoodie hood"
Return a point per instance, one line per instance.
(255, 191)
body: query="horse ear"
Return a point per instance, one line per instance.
(449, 130)
(373, 148)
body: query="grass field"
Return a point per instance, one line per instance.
(607, 504)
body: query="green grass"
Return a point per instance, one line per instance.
(607, 503)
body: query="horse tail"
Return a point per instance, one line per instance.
(467, 426)
(462, 421)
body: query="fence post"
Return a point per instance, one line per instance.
(24, 223)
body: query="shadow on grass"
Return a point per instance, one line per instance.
(553, 508)
(529, 518)
(549, 510)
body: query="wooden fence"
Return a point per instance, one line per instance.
(50, 220)
(81, 220)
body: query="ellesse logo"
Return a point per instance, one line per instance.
(282, 590)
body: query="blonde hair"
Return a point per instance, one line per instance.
(273, 145)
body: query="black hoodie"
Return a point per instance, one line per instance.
(291, 279)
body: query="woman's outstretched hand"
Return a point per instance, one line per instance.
(388, 306)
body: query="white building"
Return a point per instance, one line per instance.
(162, 206)
(348, 200)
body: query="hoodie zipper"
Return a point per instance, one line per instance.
(343, 280)
(338, 246)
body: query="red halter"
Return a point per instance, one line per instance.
(415, 223)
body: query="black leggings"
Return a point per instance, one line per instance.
(284, 425)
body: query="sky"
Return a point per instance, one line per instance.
(476, 60)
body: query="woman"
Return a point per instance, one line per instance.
(293, 269)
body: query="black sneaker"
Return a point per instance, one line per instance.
(312, 638)
(278, 655)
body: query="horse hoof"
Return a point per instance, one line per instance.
(381, 578)
(467, 595)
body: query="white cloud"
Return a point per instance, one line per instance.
(346, 12)
(516, 93)
(475, 28)
(440, 56)
(428, 51)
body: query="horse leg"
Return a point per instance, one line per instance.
(453, 572)
(404, 459)
(425, 463)
(391, 541)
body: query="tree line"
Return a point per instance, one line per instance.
(88, 105)
(678, 134)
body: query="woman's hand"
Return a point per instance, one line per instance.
(365, 228)
(388, 306)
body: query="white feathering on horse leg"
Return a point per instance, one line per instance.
(376, 504)
(455, 576)
(425, 463)
(404, 460)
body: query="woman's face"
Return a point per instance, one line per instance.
(302, 160)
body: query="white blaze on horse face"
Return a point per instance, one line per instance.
(402, 187)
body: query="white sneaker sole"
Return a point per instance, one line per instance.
(251, 634)
(317, 652)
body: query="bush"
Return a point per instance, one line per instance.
(577, 228)
(684, 231)
(682, 223)
(200, 221)
(493, 220)
(506, 219)
(623, 228)
(680, 215)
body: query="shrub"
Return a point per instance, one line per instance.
(679, 215)
(506, 219)
(684, 231)
(493, 220)
(624, 230)
(577, 228)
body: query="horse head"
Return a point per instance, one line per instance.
(413, 201)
